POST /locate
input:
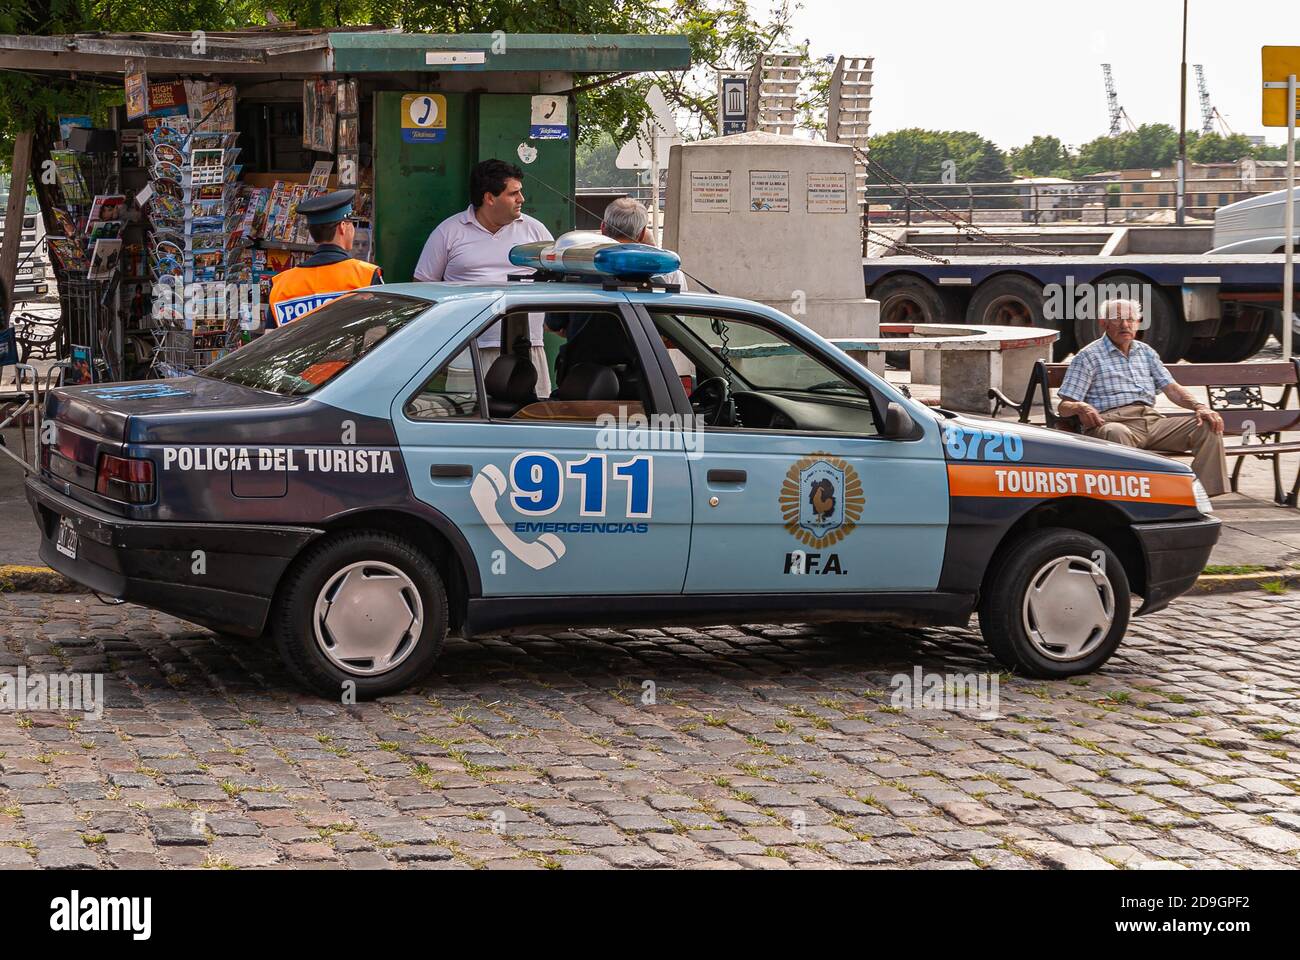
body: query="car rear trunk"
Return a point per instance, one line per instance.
(85, 424)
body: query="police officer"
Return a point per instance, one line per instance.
(328, 273)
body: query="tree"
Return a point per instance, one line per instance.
(1043, 156)
(1152, 146)
(1213, 148)
(939, 156)
(596, 168)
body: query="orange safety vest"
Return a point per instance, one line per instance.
(300, 290)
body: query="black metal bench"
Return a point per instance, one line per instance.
(1235, 391)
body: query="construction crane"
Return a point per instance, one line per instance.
(1209, 112)
(1118, 115)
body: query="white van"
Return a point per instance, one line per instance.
(1258, 225)
(1253, 226)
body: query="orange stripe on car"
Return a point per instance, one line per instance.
(1038, 483)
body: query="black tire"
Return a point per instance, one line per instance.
(1012, 300)
(1165, 330)
(908, 299)
(294, 614)
(1232, 347)
(1002, 604)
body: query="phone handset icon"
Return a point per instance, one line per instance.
(489, 487)
(428, 108)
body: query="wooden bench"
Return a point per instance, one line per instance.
(1233, 390)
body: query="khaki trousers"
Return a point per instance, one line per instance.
(1138, 425)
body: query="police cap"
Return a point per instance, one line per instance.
(328, 207)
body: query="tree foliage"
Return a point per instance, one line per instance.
(923, 156)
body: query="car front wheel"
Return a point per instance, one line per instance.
(1055, 605)
(361, 613)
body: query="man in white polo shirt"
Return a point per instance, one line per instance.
(475, 244)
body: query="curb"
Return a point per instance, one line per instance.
(1237, 582)
(15, 578)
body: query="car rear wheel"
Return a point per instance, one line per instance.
(362, 612)
(1056, 604)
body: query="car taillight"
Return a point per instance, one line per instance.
(124, 479)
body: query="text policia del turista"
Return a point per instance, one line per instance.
(288, 459)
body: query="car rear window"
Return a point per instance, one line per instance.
(306, 354)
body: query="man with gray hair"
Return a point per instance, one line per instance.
(1111, 387)
(626, 221)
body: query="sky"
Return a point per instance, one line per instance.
(1010, 69)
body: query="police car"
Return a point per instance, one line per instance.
(359, 483)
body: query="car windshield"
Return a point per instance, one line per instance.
(307, 354)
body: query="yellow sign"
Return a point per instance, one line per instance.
(424, 118)
(1279, 63)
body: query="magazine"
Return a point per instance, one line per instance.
(347, 97)
(348, 133)
(70, 255)
(320, 174)
(63, 222)
(107, 206)
(137, 90)
(69, 174)
(105, 258)
(319, 113)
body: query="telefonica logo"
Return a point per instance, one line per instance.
(76, 913)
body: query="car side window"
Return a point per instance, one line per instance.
(451, 393)
(598, 371)
(774, 382)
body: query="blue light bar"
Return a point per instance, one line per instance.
(635, 261)
(591, 255)
(529, 254)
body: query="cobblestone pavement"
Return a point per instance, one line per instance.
(765, 747)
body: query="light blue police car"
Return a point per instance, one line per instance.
(362, 481)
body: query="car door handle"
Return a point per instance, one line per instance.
(450, 471)
(727, 476)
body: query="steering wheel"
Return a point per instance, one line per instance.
(710, 398)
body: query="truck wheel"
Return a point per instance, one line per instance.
(1166, 331)
(1055, 605)
(908, 299)
(1232, 347)
(364, 608)
(1010, 300)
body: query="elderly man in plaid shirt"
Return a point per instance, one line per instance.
(1111, 387)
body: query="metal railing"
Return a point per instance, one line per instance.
(1075, 202)
(1080, 203)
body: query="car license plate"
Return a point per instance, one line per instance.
(66, 540)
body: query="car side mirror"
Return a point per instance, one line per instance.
(899, 424)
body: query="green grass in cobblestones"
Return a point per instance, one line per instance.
(424, 775)
(1275, 587)
(91, 839)
(12, 811)
(230, 789)
(711, 721)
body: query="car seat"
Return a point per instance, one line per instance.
(511, 384)
(588, 381)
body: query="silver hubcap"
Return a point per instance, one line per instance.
(1069, 608)
(368, 618)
